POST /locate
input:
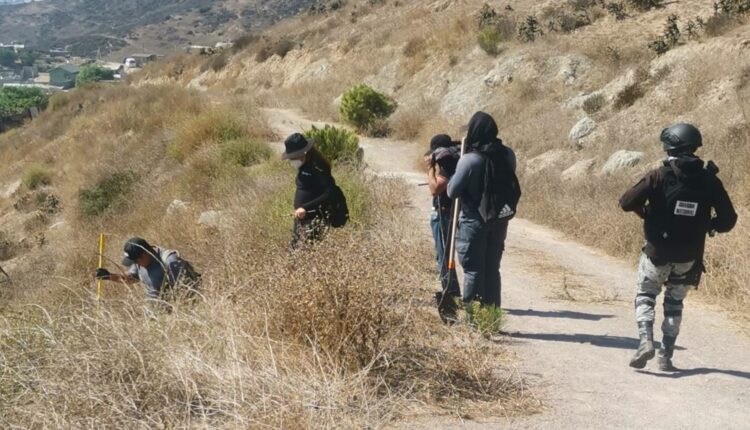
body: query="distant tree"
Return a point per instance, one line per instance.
(93, 73)
(8, 57)
(28, 58)
(15, 101)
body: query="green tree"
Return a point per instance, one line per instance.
(8, 57)
(28, 58)
(93, 73)
(362, 106)
(15, 101)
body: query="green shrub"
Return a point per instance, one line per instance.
(93, 73)
(487, 320)
(336, 144)
(489, 39)
(36, 175)
(109, 193)
(244, 152)
(362, 106)
(15, 101)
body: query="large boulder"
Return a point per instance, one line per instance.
(620, 160)
(545, 161)
(579, 170)
(583, 128)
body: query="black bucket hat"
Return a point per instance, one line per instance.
(296, 146)
(135, 247)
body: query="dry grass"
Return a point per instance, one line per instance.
(330, 337)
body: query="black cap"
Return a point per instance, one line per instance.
(296, 146)
(134, 249)
(439, 141)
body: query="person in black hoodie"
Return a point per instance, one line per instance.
(315, 189)
(486, 182)
(677, 202)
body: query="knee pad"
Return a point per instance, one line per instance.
(645, 299)
(672, 307)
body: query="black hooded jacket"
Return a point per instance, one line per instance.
(481, 143)
(671, 237)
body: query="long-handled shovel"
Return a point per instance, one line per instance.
(454, 224)
(101, 265)
(443, 306)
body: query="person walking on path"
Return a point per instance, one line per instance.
(676, 202)
(157, 268)
(316, 188)
(442, 158)
(486, 182)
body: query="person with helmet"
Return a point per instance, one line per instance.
(680, 202)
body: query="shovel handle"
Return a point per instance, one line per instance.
(454, 224)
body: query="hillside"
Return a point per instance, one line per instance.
(123, 27)
(344, 335)
(582, 96)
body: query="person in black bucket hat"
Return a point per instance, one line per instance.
(317, 198)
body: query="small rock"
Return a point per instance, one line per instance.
(578, 170)
(582, 129)
(12, 189)
(213, 219)
(621, 160)
(176, 207)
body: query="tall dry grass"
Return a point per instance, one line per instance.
(339, 335)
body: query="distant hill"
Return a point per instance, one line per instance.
(88, 27)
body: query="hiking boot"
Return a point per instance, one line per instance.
(665, 364)
(665, 354)
(646, 349)
(447, 308)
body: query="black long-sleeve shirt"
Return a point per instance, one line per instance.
(314, 186)
(648, 200)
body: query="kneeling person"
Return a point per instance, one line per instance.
(158, 269)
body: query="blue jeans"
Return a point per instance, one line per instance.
(480, 248)
(441, 227)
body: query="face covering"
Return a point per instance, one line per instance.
(296, 163)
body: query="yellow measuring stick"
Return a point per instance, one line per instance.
(101, 264)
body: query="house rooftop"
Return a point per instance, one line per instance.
(70, 68)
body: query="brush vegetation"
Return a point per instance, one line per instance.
(274, 340)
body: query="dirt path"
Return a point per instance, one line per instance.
(571, 323)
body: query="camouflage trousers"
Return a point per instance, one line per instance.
(651, 278)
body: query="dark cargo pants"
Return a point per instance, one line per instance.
(440, 222)
(480, 248)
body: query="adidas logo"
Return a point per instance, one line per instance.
(506, 212)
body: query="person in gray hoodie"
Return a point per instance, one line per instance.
(486, 182)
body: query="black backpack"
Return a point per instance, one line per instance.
(502, 191)
(338, 211)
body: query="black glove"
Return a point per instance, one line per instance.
(103, 274)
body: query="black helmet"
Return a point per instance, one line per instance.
(680, 137)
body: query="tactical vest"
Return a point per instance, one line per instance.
(684, 214)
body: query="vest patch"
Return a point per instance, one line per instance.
(686, 208)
